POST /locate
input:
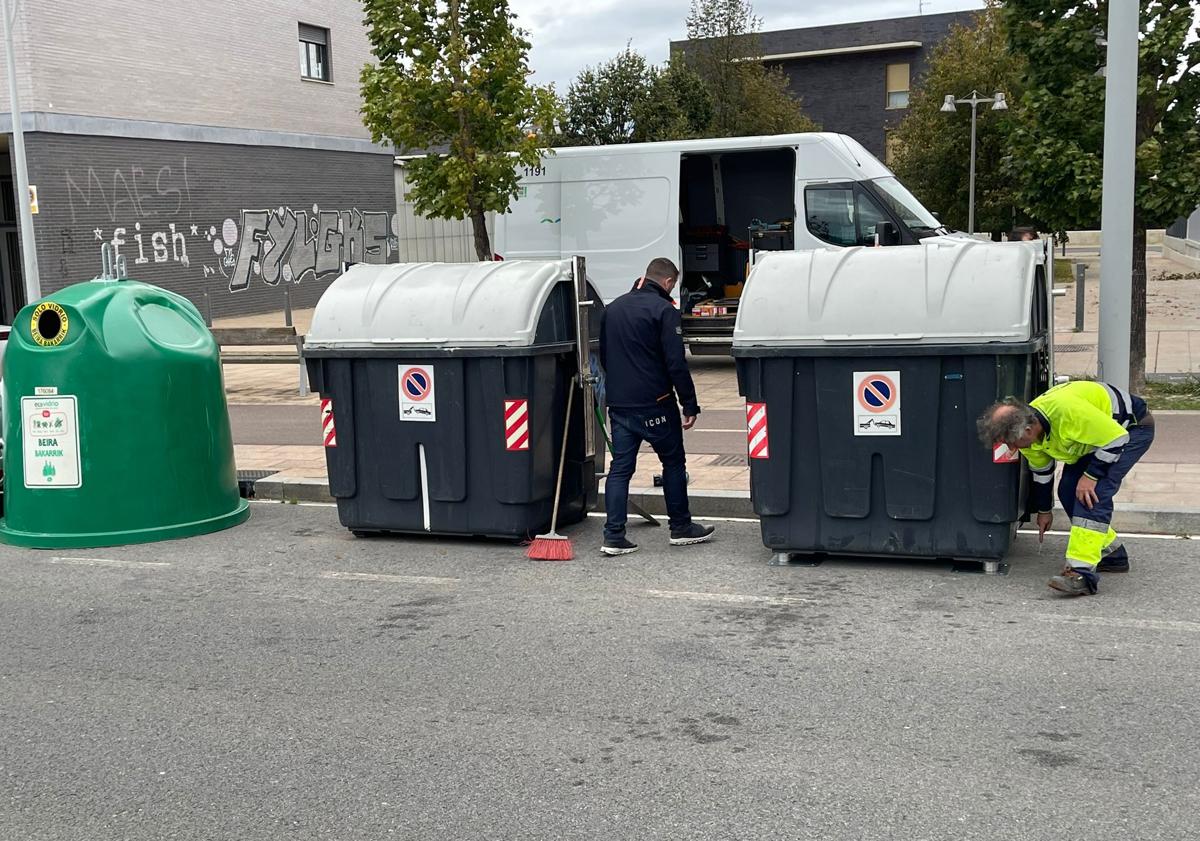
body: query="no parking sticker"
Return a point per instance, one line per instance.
(876, 403)
(416, 394)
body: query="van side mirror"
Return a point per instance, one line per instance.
(886, 233)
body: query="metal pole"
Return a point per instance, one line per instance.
(287, 304)
(1080, 295)
(33, 283)
(971, 208)
(1116, 212)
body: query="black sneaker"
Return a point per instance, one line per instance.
(691, 533)
(618, 546)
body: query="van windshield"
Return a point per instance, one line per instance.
(905, 205)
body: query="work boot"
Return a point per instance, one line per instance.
(618, 546)
(1075, 582)
(691, 533)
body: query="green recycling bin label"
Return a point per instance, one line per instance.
(50, 426)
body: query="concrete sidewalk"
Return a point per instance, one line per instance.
(1160, 496)
(1172, 322)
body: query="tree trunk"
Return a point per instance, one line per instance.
(483, 245)
(1137, 310)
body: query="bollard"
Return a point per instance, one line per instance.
(1080, 295)
(207, 310)
(287, 304)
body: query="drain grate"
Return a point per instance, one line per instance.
(247, 478)
(254, 475)
(1074, 348)
(729, 461)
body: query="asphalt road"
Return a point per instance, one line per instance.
(284, 680)
(717, 432)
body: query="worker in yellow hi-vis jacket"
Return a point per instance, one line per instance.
(1098, 432)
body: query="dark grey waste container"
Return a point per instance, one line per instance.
(864, 371)
(443, 391)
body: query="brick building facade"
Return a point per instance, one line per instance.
(855, 78)
(216, 145)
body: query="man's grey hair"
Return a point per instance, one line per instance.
(1005, 421)
(662, 270)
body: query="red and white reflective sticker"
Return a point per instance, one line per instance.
(756, 430)
(1001, 454)
(516, 425)
(328, 430)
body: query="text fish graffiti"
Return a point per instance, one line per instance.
(281, 245)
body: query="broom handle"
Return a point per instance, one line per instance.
(562, 460)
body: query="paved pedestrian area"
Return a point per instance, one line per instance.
(1172, 321)
(1168, 478)
(284, 680)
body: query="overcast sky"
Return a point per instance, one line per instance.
(568, 35)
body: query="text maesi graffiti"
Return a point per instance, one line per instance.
(274, 245)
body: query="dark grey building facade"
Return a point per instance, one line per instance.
(228, 226)
(221, 152)
(855, 78)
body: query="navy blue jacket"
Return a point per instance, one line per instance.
(641, 349)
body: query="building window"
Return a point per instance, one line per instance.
(314, 53)
(897, 86)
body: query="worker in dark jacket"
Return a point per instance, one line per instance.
(646, 373)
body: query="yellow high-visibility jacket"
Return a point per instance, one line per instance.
(1079, 419)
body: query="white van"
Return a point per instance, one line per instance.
(706, 204)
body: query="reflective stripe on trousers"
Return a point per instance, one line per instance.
(1092, 536)
(1089, 542)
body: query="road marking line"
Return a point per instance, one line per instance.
(1121, 622)
(1124, 535)
(600, 515)
(393, 579)
(728, 598)
(106, 562)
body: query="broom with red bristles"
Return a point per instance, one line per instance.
(554, 546)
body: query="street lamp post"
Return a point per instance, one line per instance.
(1116, 207)
(33, 284)
(949, 105)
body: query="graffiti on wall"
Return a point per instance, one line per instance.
(142, 247)
(127, 191)
(289, 245)
(147, 215)
(280, 245)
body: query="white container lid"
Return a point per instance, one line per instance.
(436, 304)
(942, 291)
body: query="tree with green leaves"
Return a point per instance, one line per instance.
(601, 105)
(678, 106)
(746, 97)
(1058, 144)
(627, 99)
(454, 75)
(933, 148)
